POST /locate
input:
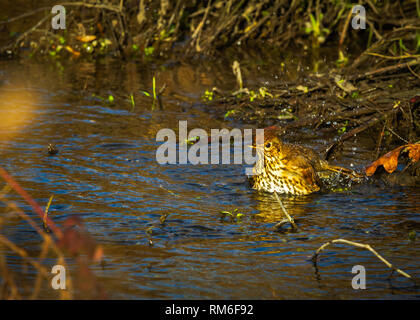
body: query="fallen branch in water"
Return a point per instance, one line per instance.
(289, 218)
(359, 245)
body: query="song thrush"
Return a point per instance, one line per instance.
(292, 169)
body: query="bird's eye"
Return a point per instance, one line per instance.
(268, 145)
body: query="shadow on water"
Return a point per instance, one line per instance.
(106, 172)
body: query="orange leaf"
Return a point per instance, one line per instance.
(413, 152)
(86, 38)
(389, 161)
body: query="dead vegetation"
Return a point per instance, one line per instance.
(145, 27)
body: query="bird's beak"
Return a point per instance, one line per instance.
(256, 147)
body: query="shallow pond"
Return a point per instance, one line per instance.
(106, 172)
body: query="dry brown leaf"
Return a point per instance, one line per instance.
(86, 38)
(414, 152)
(390, 160)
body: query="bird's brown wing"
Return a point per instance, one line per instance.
(299, 167)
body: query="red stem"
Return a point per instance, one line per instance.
(35, 206)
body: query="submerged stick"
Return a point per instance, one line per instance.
(359, 245)
(35, 206)
(292, 222)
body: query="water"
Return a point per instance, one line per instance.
(107, 173)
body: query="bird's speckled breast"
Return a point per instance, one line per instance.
(278, 180)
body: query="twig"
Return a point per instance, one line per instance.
(46, 214)
(359, 245)
(24, 15)
(372, 27)
(35, 206)
(26, 33)
(371, 122)
(387, 69)
(345, 27)
(373, 7)
(397, 135)
(347, 135)
(407, 56)
(381, 136)
(197, 32)
(412, 71)
(292, 222)
(93, 5)
(363, 56)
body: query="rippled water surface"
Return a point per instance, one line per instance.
(106, 172)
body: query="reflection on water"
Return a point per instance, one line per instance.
(106, 172)
(17, 108)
